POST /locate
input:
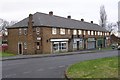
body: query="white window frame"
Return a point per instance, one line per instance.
(92, 32)
(62, 31)
(20, 31)
(25, 31)
(80, 32)
(25, 45)
(68, 31)
(88, 32)
(74, 32)
(95, 33)
(54, 31)
(37, 30)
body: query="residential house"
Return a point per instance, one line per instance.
(42, 33)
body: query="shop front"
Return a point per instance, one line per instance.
(91, 43)
(59, 45)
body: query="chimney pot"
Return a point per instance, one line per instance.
(51, 13)
(82, 19)
(69, 17)
(91, 21)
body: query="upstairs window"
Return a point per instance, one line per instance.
(62, 31)
(80, 32)
(25, 31)
(37, 30)
(68, 31)
(84, 32)
(98, 33)
(74, 32)
(92, 33)
(88, 32)
(20, 31)
(54, 31)
(95, 33)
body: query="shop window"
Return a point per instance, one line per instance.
(54, 31)
(62, 31)
(63, 46)
(38, 45)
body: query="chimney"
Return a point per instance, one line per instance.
(30, 22)
(82, 19)
(69, 17)
(91, 21)
(51, 13)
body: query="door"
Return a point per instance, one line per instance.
(77, 45)
(55, 47)
(20, 48)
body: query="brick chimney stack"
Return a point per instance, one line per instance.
(91, 21)
(51, 13)
(69, 17)
(82, 20)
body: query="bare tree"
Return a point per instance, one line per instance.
(103, 16)
(3, 25)
(112, 27)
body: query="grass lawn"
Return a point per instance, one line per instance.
(5, 54)
(99, 68)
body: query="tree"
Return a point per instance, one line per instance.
(103, 16)
(3, 25)
(112, 27)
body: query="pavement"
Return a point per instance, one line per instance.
(48, 55)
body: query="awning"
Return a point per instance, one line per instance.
(56, 40)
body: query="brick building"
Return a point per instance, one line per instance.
(42, 33)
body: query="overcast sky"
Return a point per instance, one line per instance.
(16, 10)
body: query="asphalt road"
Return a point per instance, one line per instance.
(48, 67)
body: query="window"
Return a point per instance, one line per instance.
(63, 46)
(105, 34)
(80, 32)
(84, 32)
(88, 32)
(37, 30)
(25, 31)
(62, 31)
(68, 31)
(74, 32)
(20, 31)
(98, 33)
(92, 33)
(95, 33)
(38, 45)
(54, 31)
(25, 45)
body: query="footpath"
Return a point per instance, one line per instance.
(17, 57)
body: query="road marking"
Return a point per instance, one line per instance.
(40, 69)
(61, 66)
(51, 68)
(26, 72)
(10, 75)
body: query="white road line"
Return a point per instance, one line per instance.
(10, 75)
(40, 69)
(61, 66)
(51, 68)
(26, 72)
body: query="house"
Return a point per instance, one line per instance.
(42, 33)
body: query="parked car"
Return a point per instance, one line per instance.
(118, 47)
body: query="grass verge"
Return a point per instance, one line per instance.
(5, 54)
(99, 68)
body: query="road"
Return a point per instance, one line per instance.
(48, 67)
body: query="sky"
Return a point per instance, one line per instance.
(89, 10)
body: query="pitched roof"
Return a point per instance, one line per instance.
(42, 19)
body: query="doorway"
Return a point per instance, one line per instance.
(20, 49)
(77, 45)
